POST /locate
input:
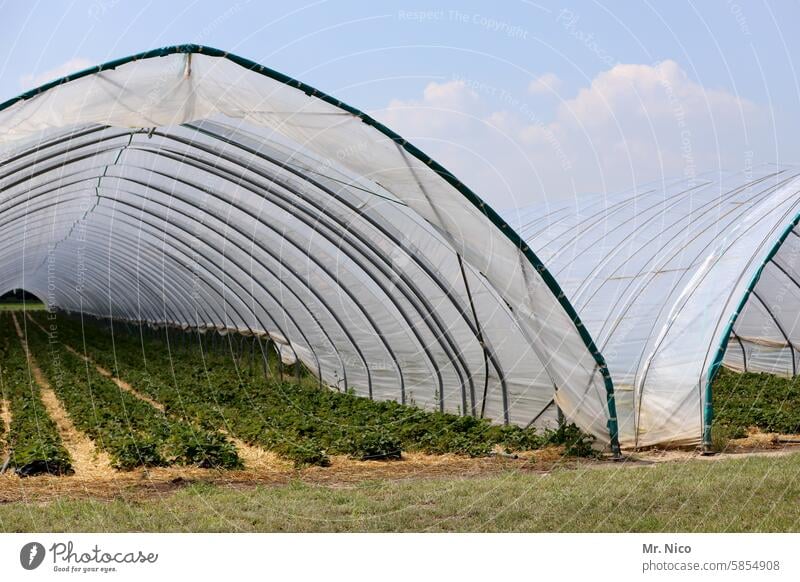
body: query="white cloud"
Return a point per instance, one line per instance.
(544, 84)
(73, 65)
(632, 124)
(435, 112)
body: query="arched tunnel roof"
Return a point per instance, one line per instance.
(674, 279)
(192, 187)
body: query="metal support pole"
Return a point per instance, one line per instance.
(264, 358)
(252, 354)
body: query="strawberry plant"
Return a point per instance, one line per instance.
(33, 438)
(206, 381)
(132, 431)
(769, 403)
(303, 453)
(374, 445)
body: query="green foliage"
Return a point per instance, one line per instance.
(208, 383)
(769, 403)
(217, 383)
(514, 438)
(576, 443)
(33, 436)
(202, 448)
(721, 434)
(374, 445)
(132, 431)
(304, 453)
(142, 452)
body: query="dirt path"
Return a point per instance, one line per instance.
(757, 444)
(103, 371)
(118, 381)
(253, 457)
(5, 415)
(256, 457)
(87, 460)
(5, 419)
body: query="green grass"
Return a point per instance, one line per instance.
(745, 494)
(27, 306)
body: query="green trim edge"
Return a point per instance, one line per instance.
(708, 406)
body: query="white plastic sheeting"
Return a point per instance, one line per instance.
(766, 334)
(659, 274)
(190, 187)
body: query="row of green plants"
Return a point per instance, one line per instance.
(32, 441)
(298, 420)
(133, 432)
(752, 400)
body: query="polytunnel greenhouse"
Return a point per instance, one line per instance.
(675, 279)
(190, 187)
(187, 187)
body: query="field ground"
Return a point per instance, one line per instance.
(735, 493)
(157, 433)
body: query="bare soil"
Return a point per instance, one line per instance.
(5, 419)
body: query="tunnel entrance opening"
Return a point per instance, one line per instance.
(20, 299)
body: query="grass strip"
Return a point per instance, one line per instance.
(729, 494)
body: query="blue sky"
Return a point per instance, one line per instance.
(524, 101)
